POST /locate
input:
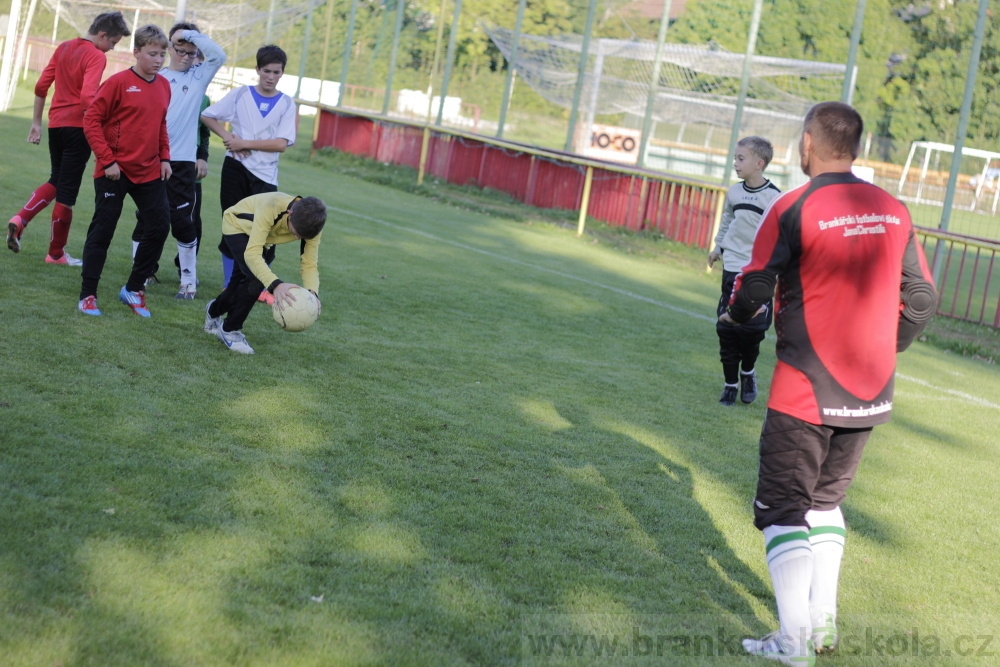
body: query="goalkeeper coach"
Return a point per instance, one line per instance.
(853, 289)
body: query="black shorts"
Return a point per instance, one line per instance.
(69, 153)
(803, 466)
(238, 183)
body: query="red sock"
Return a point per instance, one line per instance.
(38, 200)
(62, 218)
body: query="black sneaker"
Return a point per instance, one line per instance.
(748, 387)
(728, 395)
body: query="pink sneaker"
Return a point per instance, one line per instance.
(14, 230)
(65, 260)
(266, 297)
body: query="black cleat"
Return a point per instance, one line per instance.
(748, 387)
(728, 395)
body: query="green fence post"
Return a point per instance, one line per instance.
(347, 52)
(449, 58)
(963, 128)
(270, 21)
(392, 58)
(654, 83)
(744, 86)
(305, 49)
(511, 67)
(847, 89)
(326, 49)
(580, 75)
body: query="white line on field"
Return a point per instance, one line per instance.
(975, 400)
(958, 394)
(631, 295)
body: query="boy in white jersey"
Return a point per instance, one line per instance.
(262, 123)
(739, 346)
(189, 81)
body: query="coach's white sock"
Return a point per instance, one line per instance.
(187, 254)
(790, 562)
(135, 248)
(826, 535)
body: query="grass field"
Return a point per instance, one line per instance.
(500, 440)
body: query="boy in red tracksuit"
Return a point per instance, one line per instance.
(127, 128)
(75, 68)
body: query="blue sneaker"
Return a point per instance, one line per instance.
(134, 300)
(88, 306)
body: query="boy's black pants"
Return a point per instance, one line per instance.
(739, 345)
(151, 200)
(240, 295)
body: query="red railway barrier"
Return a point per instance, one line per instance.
(684, 210)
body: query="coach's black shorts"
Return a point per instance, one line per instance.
(803, 466)
(69, 152)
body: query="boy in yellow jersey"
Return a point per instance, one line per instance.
(249, 228)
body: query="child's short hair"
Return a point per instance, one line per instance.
(150, 34)
(183, 25)
(111, 23)
(270, 55)
(308, 217)
(760, 147)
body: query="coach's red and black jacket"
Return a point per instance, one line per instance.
(853, 288)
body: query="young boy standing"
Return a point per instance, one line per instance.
(127, 128)
(248, 229)
(75, 68)
(188, 80)
(739, 346)
(262, 123)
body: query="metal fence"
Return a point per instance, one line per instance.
(966, 272)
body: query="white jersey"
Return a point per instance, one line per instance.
(187, 89)
(741, 216)
(257, 118)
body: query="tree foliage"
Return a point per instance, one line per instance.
(912, 60)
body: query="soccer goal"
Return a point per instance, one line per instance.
(695, 96)
(927, 186)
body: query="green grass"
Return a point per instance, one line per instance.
(496, 428)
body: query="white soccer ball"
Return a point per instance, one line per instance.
(298, 315)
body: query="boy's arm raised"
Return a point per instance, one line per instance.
(214, 55)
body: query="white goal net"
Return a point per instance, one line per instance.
(698, 84)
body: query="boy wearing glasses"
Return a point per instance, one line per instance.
(189, 81)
